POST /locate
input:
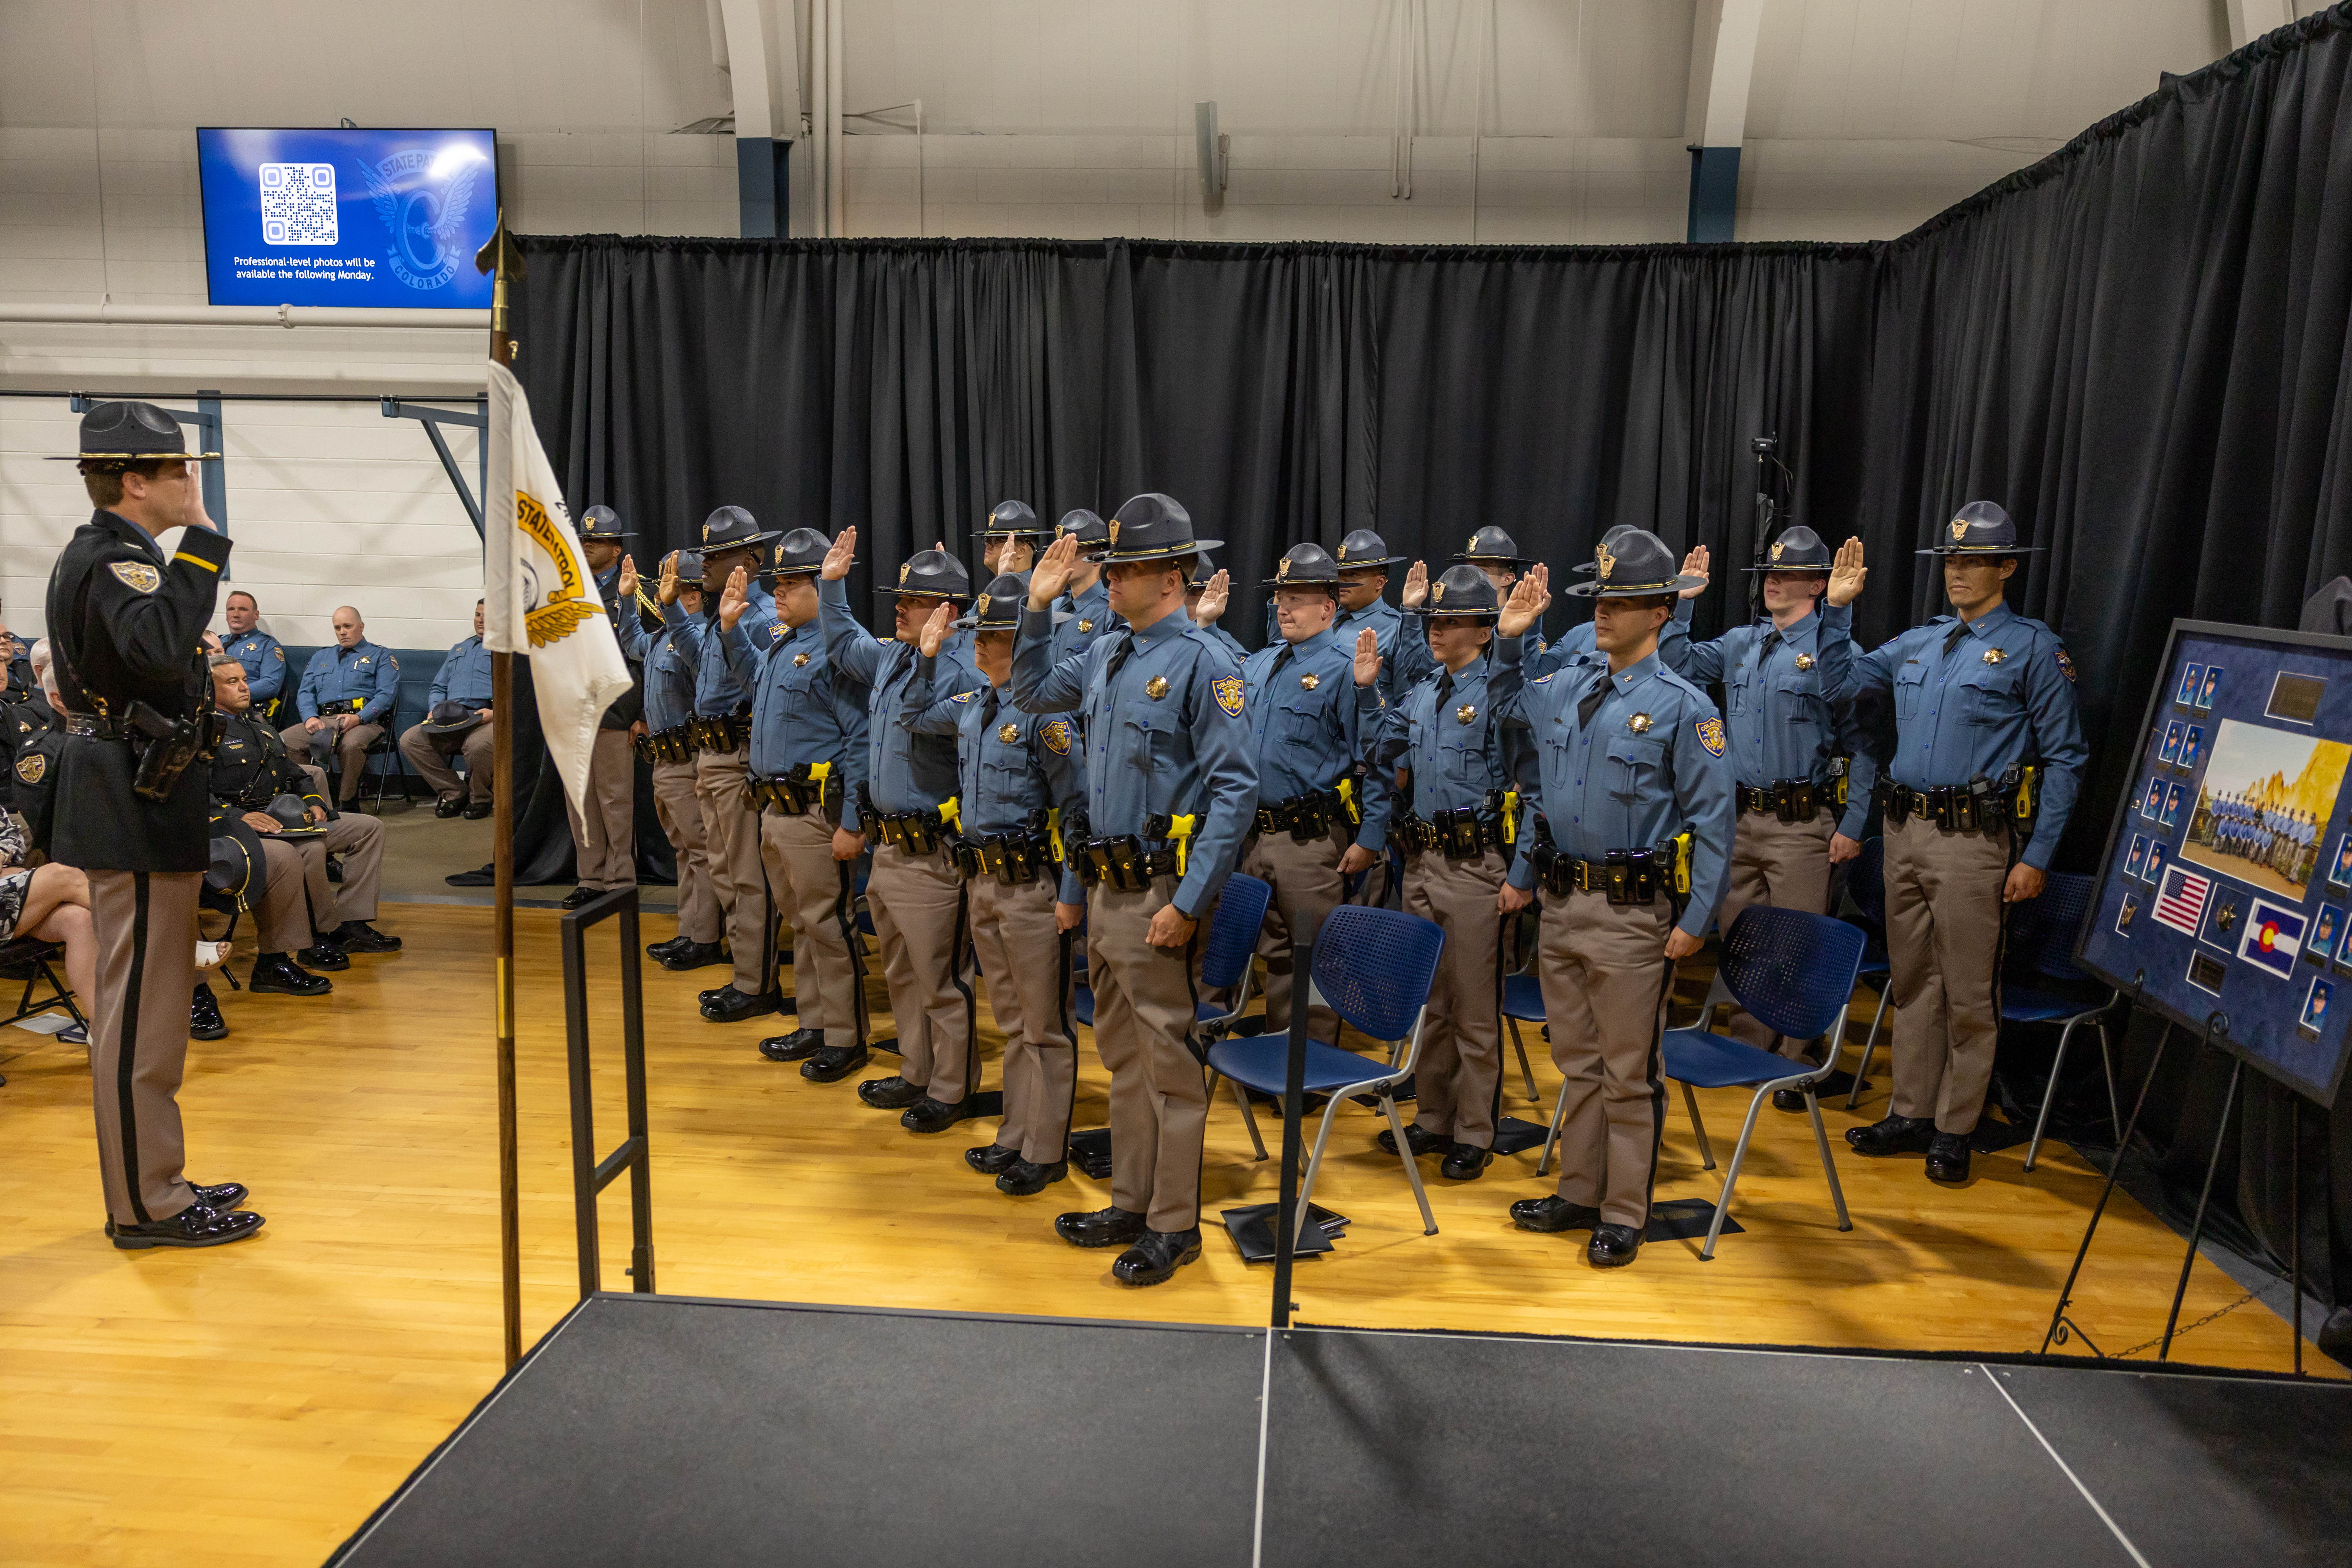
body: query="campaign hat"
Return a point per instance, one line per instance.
(730, 527)
(1981, 528)
(449, 716)
(999, 607)
(1612, 538)
(1305, 566)
(1491, 543)
(1362, 547)
(1014, 520)
(1640, 564)
(1463, 591)
(800, 550)
(931, 574)
(1798, 549)
(128, 431)
(602, 523)
(1152, 527)
(1088, 527)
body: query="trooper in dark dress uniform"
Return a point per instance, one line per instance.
(1979, 700)
(1171, 791)
(605, 839)
(126, 625)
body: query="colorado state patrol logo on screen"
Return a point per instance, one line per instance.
(1055, 733)
(1710, 735)
(1228, 689)
(133, 575)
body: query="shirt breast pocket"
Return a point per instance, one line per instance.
(1737, 687)
(1634, 767)
(1993, 697)
(1910, 688)
(1799, 700)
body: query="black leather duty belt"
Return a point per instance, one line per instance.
(341, 706)
(1790, 800)
(97, 728)
(1014, 859)
(1306, 817)
(916, 832)
(674, 744)
(788, 796)
(729, 734)
(1123, 862)
(1961, 808)
(1463, 834)
(1627, 877)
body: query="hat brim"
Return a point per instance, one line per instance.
(1496, 560)
(1983, 550)
(1823, 570)
(1639, 591)
(430, 727)
(1331, 582)
(974, 624)
(1045, 533)
(1360, 565)
(1431, 611)
(1162, 552)
(137, 457)
(921, 593)
(605, 538)
(749, 542)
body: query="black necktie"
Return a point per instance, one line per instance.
(989, 711)
(1960, 630)
(1118, 657)
(1589, 703)
(1444, 691)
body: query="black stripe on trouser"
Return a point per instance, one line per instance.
(126, 1061)
(1069, 1030)
(844, 910)
(963, 987)
(771, 976)
(1191, 1034)
(1656, 1068)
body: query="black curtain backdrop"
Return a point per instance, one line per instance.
(2137, 345)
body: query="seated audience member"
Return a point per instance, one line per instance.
(345, 700)
(457, 717)
(15, 668)
(263, 657)
(255, 779)
(23, 719)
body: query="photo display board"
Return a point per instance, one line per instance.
(2226, 883)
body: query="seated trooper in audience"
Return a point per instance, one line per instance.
(345, 700)
(263, 657)
(16, 669)
(301, 912)
(464, 681)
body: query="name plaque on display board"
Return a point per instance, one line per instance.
(2226, 887)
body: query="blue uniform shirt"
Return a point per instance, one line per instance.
(464, 675)
(338, 674)
(1080, 618)
(1010, 765)
(1649, 766)
(1780, 724)
(1302, 712)
(1577, 643)
(904, 771)
(1166, 734)
(804, 709)
(1226, 641)
(265, 664)
(1445, 732)
(668, 671)
(720, 690)
(1971, 697)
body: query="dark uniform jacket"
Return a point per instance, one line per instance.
(33, 776)
(21, 723)
(125, 626)
(251, 768)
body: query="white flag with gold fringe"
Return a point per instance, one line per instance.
(540, 598)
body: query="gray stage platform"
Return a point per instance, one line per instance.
(665, 1430)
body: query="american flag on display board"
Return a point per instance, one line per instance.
(2181, 903)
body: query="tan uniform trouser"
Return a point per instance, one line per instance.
(1785, 865)
(360, 841)
(914, 899)
(1144, 1001)
(1306, 887)
(429, 755)
(1020, 951)
(1605, 984)
(1461, 1035)
(350, 749)
(282, 919)
(605, 844)
(681, 818)
(1943, 942)
(145, 925)
(733, 838)
(805, 881)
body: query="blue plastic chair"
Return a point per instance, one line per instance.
(1224, 962)
(1793, 972)
(1866, 885)
(1373, 968)
(2041, 984)
(1522, 1003)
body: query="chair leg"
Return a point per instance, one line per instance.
(1706, 1150)
(1526, 1071)
(1314, 1164)
(1730, 1178)
(1870, 1043)
(1249, 1117)
(1552, 1137)
(2107, 1065)
(2049, 1092)
(1412, 1167)
(1829, 1166)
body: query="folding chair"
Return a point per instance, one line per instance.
(1794, 972)
(2041, 984)
(1226, 966)
(383, 746)
(1866, 885)
(32, 957)
(1373, 968)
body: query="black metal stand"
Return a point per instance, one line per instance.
(2294, 1220)
(591, 1175)
(1294, 1105)
(2197, 1225)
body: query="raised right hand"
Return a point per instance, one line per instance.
(1367, 657)
(1530, 597)
(935, 630)
(1847, 574)
(1416, 586)
(1052, 572)
(837, 560)
(735, 598)
(667, 590)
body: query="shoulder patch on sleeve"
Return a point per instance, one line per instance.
(1546, 676)
(775, 631)
(133, 575)
(1710, 735)
(1228, 689)
(2065, 665)
(31, 766)
(963, 696)
(1055, 733)
(278, 654)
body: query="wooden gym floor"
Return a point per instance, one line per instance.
(252, 1404)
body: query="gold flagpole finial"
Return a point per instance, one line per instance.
(502, 257)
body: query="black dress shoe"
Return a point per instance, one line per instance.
(991, 1158)
(478, 809)
(1421, 1142)
(655, 949)
(1552, 1213)
(1113, 1227)
(1022, 1178)
(358, 936)
(334, 870)
(1789, 1100)
(323, 954)
(578, 896)
(732, 1006)
(222, 1195)
(791, 1047)
(892, 1093)
(1465, 1163)
(1893, 1135)
(929, 1115)
(1157, 1257)
(1613, 1246)
(276, 971)
(693, 955)
(834, 1063)
(448, 805)
(196, 1226)
(204, 1020)
(1947, 1158)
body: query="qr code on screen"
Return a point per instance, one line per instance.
(297, 204)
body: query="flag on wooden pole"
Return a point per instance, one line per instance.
(540, 598)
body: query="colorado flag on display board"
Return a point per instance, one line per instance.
(2273, 936)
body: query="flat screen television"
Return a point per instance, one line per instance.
(377, 218)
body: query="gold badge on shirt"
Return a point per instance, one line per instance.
(1994, 656)
(1804, 661)
(1156, 687)
(799, 659)
(1008, 733)
(1467, 712)
(1086, 628)
(1309, 682)
(1639, 723)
